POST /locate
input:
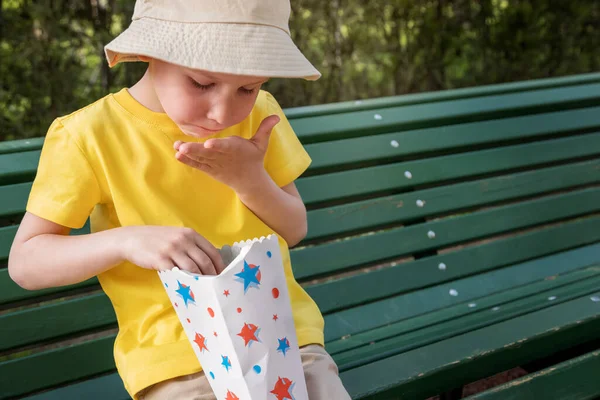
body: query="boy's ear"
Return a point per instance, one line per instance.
(144, 58)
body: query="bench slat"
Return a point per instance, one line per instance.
(441, 95)
(108, 387)
(495, 302)
(466, 323)
(362, 123)
(403, 207)
(391, 310)
(54, 367)
(446, 364)
(573, 379)
(367, 249)
(18, 167)
(386, 178)
(14, 199)
(369, 149)
(358, 289)
(53, 321)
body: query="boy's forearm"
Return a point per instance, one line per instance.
(281, 211)
(50, 260)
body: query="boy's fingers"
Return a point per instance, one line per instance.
(193, 163)
(177, 144)
(196, 150)
(186, 263)
(203, 261)
(164, 264)
(211, 252)
(221, 145)
(261, 137)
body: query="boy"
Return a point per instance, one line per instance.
(192, 156)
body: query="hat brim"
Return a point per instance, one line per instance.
(241, 49)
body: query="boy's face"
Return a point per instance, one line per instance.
(203, 103)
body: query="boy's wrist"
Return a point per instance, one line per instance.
(255, 184)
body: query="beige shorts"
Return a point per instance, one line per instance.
(320, 371)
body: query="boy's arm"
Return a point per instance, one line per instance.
(282, 209)
(44, 255)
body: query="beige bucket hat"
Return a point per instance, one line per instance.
(242, 37)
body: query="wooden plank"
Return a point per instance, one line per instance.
(393, 177)
(494, 301)
(63, 317)
(369, 149)
(575, 379)
(430, 202)
(362, 123)
(353, 252)
(442, 95)
(7, 235)
(10, 292)
(440, 366)
(21, 145)
(370, 286)
(54, 367)
(424, 336)
(102, 388)
(14, 199)
(18, 167)
(391, 310)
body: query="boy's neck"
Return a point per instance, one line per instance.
(143, 92)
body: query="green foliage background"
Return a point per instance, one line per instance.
(51, 51)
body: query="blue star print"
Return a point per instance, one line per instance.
(226, 363)
(186, 293)
(284, 345)
(250, 275)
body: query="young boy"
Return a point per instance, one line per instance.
(193, 156)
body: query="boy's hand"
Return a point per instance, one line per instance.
(163, 247)
(234, 161)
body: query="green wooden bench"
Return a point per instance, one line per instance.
(452, 235)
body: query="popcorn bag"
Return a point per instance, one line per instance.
(240, 323)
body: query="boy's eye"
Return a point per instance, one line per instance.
(247, 91)
(201, 86)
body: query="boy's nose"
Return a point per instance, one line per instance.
(219, 113)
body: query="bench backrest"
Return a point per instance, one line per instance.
(410, 198)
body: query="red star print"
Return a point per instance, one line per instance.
(231, 396)
(226, 293)
(275, 317)
(201, 342)
(248, 333)
(216, 334)
(282, 389)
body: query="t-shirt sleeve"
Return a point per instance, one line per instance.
(65, 189)
(286, 159)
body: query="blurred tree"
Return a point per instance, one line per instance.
(52, 60)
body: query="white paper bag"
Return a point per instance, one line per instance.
(240, 323)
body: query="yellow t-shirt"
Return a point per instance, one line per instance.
(114, 161)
